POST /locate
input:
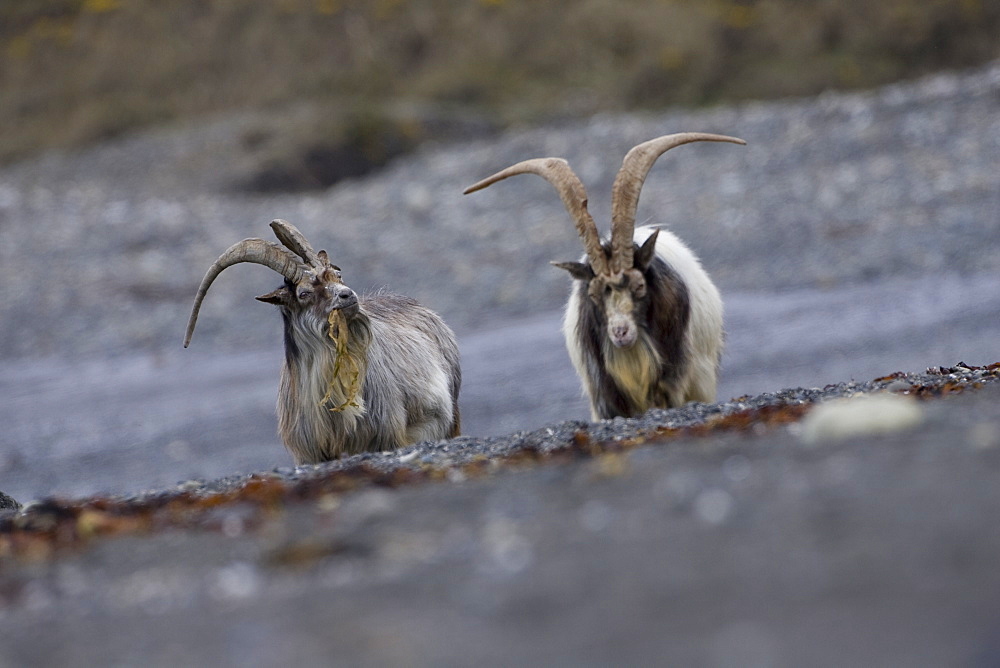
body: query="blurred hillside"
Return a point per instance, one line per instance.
(344, 84)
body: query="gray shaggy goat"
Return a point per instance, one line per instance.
(360, 374)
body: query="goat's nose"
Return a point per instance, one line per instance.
(345, 293)
(622, 336)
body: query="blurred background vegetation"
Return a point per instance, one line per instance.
(349, 83)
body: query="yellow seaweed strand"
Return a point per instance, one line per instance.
(345, 365)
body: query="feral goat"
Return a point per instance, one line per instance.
(643, 324)
(360, 374)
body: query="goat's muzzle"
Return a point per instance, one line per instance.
(342, 298)
(622, 332)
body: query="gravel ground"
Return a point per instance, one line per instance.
(101, 251)
(708, 535)
(458, 452)
(860, 237)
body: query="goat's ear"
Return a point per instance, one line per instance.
(281, 297)
(644, 257)
(578, 270)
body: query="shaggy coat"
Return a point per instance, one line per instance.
(675, 357)
(374, 373)
(404, 389)
(644, 322)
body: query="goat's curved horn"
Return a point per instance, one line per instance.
(628, 183)
(574, 196)
(258, 251)
(290, 236)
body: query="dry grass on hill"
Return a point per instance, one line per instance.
(373, 77)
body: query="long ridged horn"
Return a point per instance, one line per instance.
(290, 236)
(258, 251)
(574, 196)
(628, 183)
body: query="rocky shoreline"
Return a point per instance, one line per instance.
(714, 533)
(456, 458)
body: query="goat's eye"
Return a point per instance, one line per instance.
(305, 294)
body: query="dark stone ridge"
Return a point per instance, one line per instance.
(8, 503)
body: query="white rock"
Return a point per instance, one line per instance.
(861, 415)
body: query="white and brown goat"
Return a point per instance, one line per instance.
(360, 374)
(643, 324)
